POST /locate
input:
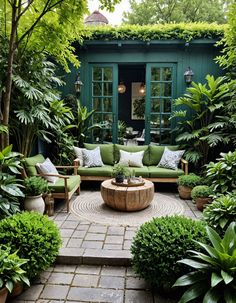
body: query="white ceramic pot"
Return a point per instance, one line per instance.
(34, 203)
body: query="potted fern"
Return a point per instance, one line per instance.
(119, 172)
(35, 187)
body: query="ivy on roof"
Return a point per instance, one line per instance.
(180, 31)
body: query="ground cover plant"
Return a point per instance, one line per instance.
(160, 243)
(213, 278)
(35, 237)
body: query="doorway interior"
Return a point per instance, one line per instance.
(131, 102)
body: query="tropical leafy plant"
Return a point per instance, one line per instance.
(11, 268)
(10, 186)
(214, 276)
(196, 113)
(222, 173)
(221, 213)
(36, 112)
(83, 123)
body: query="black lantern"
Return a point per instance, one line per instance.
(78, 84)
(188, 75)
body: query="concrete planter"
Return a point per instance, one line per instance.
(34, 203)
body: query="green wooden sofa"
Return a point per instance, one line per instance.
(110, 154)
(64, 187)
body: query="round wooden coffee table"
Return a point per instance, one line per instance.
(127, 198)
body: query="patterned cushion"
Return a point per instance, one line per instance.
(131, 159)
(48, 168)
(92, 158)
(170, 159)
(79, 155)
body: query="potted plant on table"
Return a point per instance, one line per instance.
(35, 187)
(186, 183)
(201, 195)
(119, 172)
(11, 272)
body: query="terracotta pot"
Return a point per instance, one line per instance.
(17, 289)
(185, 192)
(3, 295)
(34, 203)
(200, 202)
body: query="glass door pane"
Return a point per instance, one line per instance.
(160, 93)
(104, 96)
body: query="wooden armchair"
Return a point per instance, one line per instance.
(63, 188)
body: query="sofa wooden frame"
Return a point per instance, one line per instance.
(183, 163)
(64, 195)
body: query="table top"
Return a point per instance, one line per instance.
(110, 184)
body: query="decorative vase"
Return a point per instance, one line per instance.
(120, 178)
(200, 202)
(185, 192)
(34, 203)
(3, 295)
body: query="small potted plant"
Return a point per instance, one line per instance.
(119, 172)
(11, 272)
(186, 183)
(35, 187)
(201, 195)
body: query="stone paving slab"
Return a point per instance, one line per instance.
(86, 242)
(88, 283)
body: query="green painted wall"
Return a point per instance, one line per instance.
(198, 54)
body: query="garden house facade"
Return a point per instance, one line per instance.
(135, 82)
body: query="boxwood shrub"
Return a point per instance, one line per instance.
(160, 243)
(35, 237)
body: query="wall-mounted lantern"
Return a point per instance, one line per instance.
(188, 75)
(121, 88)
(78, 84)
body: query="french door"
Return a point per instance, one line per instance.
(160, 92)
(104, 83)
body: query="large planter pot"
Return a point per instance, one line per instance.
(34, 203)
(200, 202)
(17, 289)
(3, 295)
(185, 192)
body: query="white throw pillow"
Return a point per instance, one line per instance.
(170, 159)
(79, 155)
(131, 159)
(47, 167)
(92, 158)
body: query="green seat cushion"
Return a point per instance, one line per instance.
(105, 171)
(132, 149)
(59, 187)
(29, 164)
(159, 172)
(107, 152)
(157, 151)
(141, 171)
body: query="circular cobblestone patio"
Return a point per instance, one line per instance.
(92, 208)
